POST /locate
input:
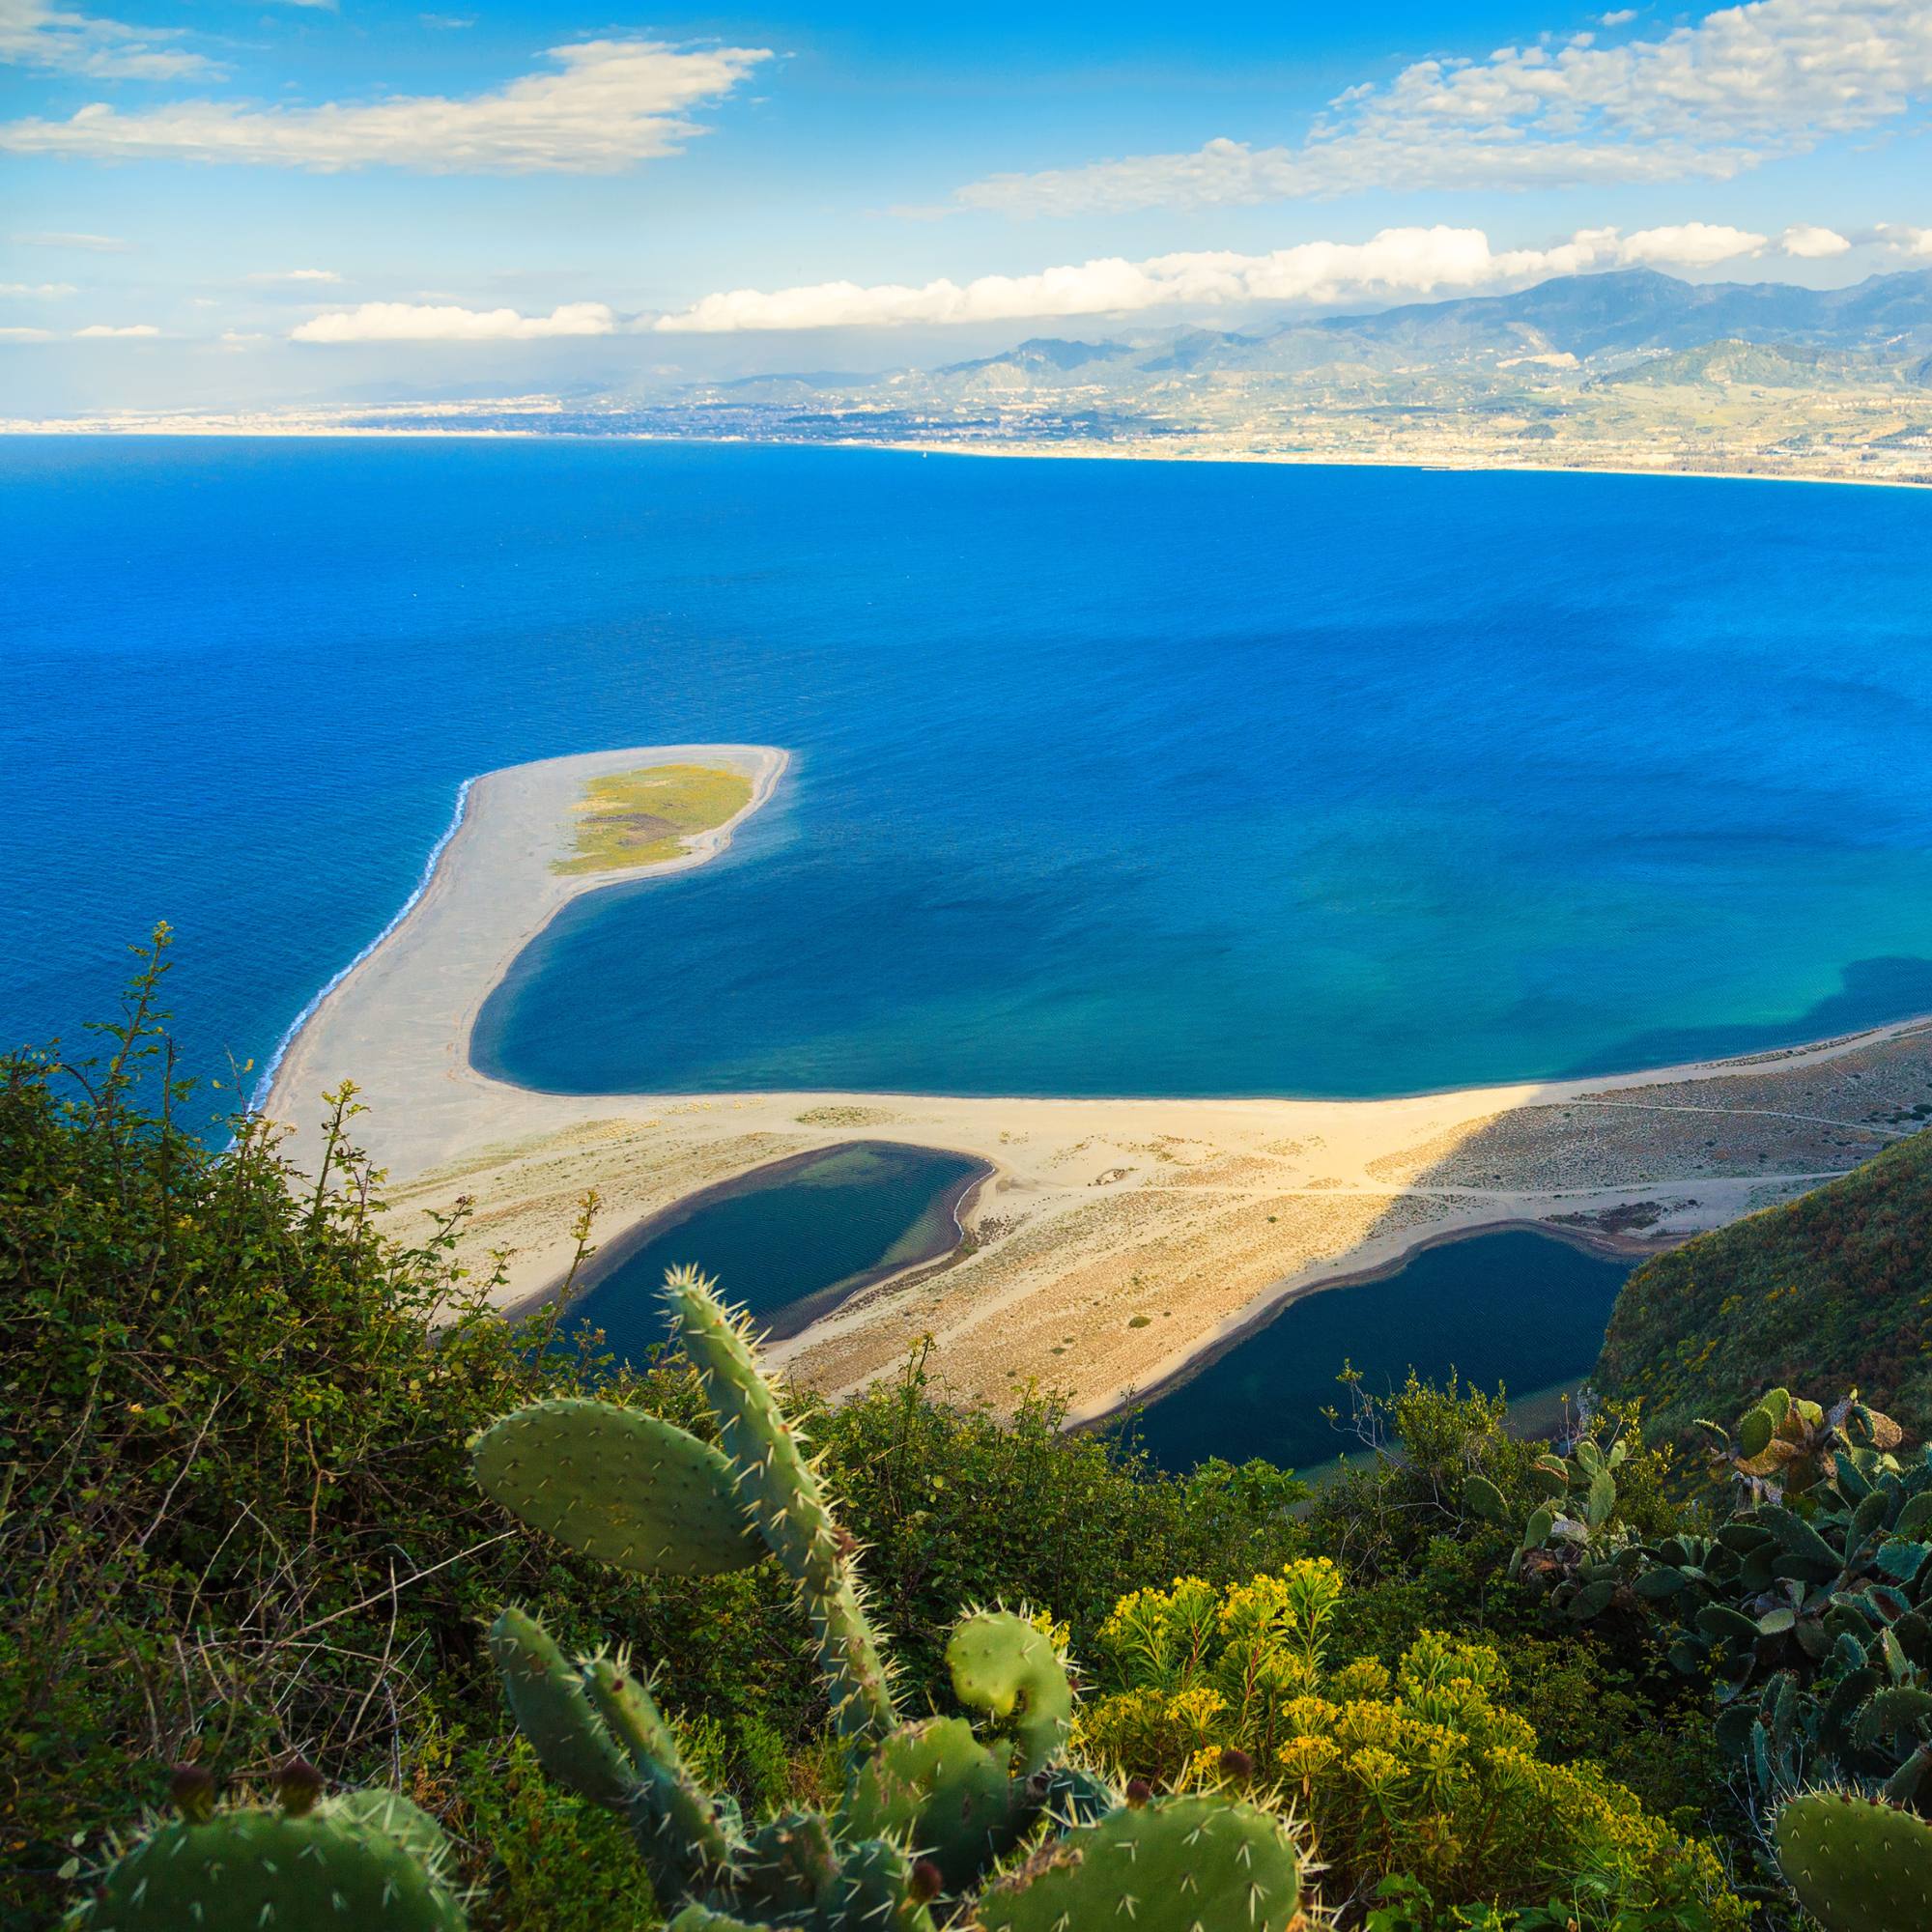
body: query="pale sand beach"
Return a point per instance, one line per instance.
(1114, 1241)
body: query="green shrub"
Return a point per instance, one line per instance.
(1422, 1774)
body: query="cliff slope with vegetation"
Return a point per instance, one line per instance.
(1832, 1291)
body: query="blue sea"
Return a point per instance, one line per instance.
(1128, 777)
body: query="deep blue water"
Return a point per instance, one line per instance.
(1111, 777)
(1518, 1310)
(788, 1243)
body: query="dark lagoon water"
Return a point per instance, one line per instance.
(1128, 777)
(1514, 1309)
(788, 1241)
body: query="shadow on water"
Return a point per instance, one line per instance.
(788, 1241)
(1521, 1309)
(1873, 993)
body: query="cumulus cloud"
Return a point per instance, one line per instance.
(1694, 245)
(26, 336)
(44, 289)
(1622, 18)
(98, 331)
(1709, 99)
(609, 104)
(35, 34)
(425, 322)
(1808, 243)
(295, 275)
(1397, 262)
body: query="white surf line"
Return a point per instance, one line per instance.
(259, 1098)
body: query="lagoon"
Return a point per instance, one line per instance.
(788, 1243)
(1516, 1309)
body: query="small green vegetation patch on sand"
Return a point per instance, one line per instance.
(644, 817)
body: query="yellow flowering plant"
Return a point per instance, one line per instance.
(1422, 1775)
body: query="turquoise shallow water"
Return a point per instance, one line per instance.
(1130, 778)
(1514, 1309)
(786, 1242)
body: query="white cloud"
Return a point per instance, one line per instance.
(1395, 263)
(1694, 245)
(448, 24)
(1902, 239)
(1807, 243)
(609, 105)
(26, 336)
(418, 322)
(1622, 18)
(92, 244)
(98, 331)
(42, 289)
(233, 337)
(35, 34)
(295, 275)
(1710, 100)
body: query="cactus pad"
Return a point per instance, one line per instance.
(789, 1869)
(393, 1814)
(877, 1890)
(778, 1485)
(702, 1918)
(683, 1841)
(553, 1710)
(1002, 1666)
(253, 1867)
(617, 1485)
(938, 1789)
(1178, 1864)
(1856, 1864)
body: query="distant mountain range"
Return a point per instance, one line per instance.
(1622, 314)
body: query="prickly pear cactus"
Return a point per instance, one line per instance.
(788, 1504)
(374, 1860)
(622, 1487)
(1857, 1866)
(554, 1711)
(1199, 1864)
(935, 1786)
(930, 1809)
(702, 1918)
(1004, 1667)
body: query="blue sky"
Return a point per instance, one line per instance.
(224, 203)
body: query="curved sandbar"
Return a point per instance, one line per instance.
(1115, 1241)
(398, 1022)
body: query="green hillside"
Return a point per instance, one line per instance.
(1832, 1290)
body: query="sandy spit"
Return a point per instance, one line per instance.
(1115, 1241)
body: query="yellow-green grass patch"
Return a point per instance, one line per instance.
(645, 816)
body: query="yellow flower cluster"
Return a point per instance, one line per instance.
(1425, 1772)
